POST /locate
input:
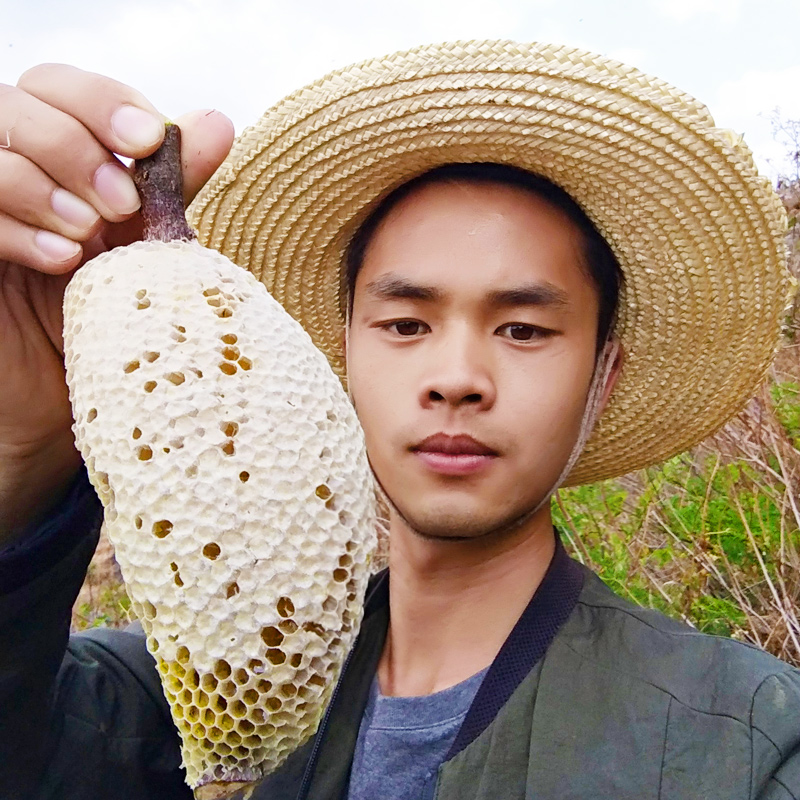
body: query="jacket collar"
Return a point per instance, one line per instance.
(328, 771)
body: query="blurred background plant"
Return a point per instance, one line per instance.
(712, 537)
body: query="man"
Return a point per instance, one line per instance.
(480, 354)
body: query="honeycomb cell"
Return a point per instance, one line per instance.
(273, 703)
(230, 429)
(330, 604)
(232, 590)
(219, 704)
(226, 722)
(149, 611)
(212, 551)
(258, 717)
(272, 637)
(162, 528)
(285, 606)
(222, 669)
(316, 628)
(250, 697)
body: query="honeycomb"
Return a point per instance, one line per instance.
(237, 494)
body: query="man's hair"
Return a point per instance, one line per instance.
(600, 263)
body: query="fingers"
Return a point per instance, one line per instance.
(60, 183)
(30, 195)
(68, 152)
(120, 118)
(206, 138)
(41, 250)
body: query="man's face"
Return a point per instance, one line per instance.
(471, 350)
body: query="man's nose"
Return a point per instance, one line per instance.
(458, 372)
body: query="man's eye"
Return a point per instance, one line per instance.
(522, 333)
(407, 327)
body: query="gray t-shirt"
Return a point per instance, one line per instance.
(403, 740)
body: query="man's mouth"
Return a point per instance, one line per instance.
(454, 455)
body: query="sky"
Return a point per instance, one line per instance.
(739, 57)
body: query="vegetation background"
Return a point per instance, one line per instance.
(712, 537)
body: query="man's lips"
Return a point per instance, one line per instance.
(460, 445)
(454, 455)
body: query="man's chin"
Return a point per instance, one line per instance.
(461, 526)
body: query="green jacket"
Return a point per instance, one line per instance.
(590, 697)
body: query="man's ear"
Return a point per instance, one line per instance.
(613, 345)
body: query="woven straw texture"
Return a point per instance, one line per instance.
(698, 233)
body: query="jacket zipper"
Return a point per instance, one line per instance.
(309, 771)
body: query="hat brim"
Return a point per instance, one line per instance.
(698, 233)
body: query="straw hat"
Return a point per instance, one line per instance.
(698, 233)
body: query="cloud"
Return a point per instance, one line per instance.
(685, 10)
(632, 56)
(243, 55)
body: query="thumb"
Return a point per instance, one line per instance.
(206, 138)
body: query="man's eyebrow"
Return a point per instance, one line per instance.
(530, 294)
(393, 287)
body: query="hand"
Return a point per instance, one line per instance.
(64, 198)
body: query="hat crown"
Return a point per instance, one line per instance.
(698, 233)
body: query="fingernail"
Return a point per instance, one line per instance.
(116, 189)
(55, 247)
(136, 128)
(73, 210)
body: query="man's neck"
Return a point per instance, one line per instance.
(454, 603)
